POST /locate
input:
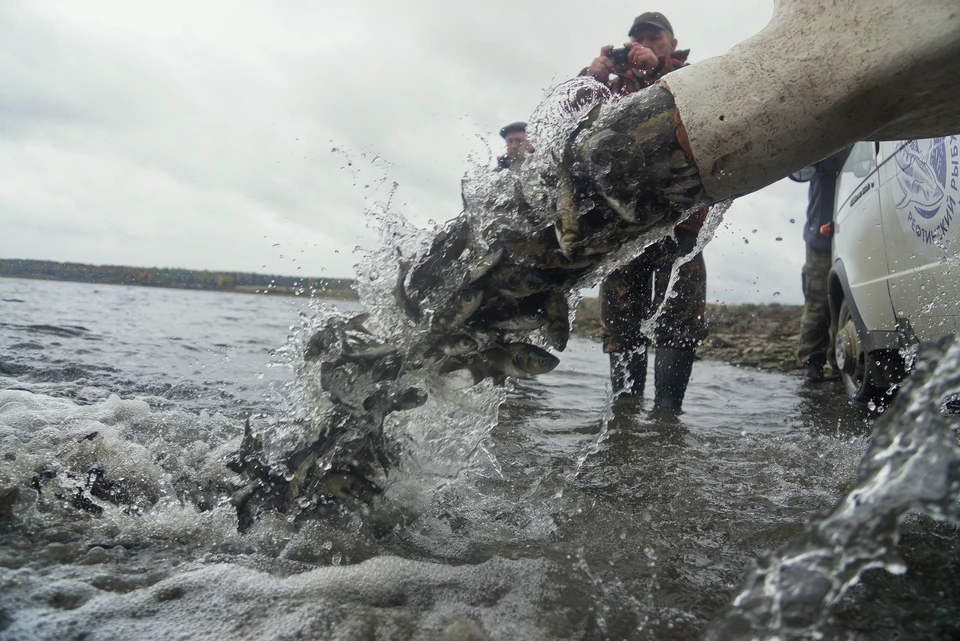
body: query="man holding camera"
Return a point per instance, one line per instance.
(632, 295)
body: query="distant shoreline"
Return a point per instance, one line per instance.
(172, 278)
(291, 292)
(747, 335)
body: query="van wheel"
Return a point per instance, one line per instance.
(853, 362)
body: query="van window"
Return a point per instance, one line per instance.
(860, 164)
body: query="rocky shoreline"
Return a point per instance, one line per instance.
(748, 335)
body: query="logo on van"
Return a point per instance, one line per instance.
(928, 176)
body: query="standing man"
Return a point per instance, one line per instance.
(816, 331)
(630, 296)
(515, 134)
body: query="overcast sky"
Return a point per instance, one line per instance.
(253, 136)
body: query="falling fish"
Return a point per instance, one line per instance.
(406, 303)
(502, 269)
(519, 360)
(453, 345)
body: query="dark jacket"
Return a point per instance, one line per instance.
(821, 199)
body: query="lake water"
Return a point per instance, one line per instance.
(572, 518)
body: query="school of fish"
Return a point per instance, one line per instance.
(489, 296)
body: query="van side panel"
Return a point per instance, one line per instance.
(859, 239)
(920, 221)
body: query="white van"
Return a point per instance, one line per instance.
(896, 273)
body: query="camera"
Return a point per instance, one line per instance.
(619, 57)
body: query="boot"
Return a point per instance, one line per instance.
(814, 369)
(672, 371)
(628, 371)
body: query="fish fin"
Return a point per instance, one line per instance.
(477, 372)
(452, 364)
(356, 322)
(251, 449)
(626, 211)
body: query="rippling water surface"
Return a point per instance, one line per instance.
(573, 518)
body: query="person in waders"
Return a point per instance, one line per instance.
(633, 295)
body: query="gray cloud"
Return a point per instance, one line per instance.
(203, 136)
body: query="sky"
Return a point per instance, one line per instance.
(257, 136)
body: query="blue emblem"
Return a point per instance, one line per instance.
(922, 177)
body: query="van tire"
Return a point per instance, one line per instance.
(856, 366)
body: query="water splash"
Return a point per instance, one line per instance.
(913, 464)
(483, 294)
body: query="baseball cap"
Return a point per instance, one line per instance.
(512, 127)
(651, 18)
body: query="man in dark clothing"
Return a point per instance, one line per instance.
(515, 135)
(816, 331)
(632, 295)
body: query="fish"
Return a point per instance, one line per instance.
(463, 307)
(447, 247)
(515, 282)
(250, 453)
(349, 483)
(484, 265)
(453, 345)
(407, 304)
(524, 320)
(334, 334)
(385, 402)
(522, 360)
(320, 342)
(568, 229)
(519, 360)
(541, 251)
(526, 315)
(356, 322)
(558, 321)
(366, 352)
(342, 382)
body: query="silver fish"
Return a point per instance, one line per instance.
(454, 345)
(463, 308)
(407, 304)
(483, 267)
(527, 315)
(519, 360)
(558, 325)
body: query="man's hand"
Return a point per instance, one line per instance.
(640, 57)
(602, 66)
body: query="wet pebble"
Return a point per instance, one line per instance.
(95, 555)
(58, 549)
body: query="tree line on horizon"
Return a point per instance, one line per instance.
(171, 277)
